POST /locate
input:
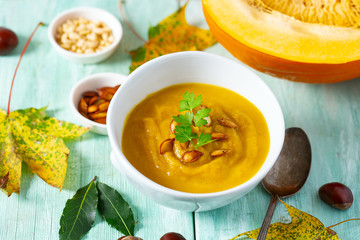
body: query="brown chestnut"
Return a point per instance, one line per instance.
(8, 41)
(129, 238)
(172, 236)
(336, 195)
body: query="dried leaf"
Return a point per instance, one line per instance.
(115, 209)
(173, 34)
(302, 226)
(4, 180)
(79, 213)
(30, 135)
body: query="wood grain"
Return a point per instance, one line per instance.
(330, 115)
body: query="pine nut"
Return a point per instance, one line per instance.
(84, 36)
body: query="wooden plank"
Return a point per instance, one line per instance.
(45, 78)
(328, 113)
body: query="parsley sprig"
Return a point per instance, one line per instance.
(183, 132)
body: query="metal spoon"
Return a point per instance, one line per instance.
(289, 173)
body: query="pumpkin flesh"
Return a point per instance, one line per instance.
(281, 45)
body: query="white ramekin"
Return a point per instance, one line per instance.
(91, 83)
(90, 13)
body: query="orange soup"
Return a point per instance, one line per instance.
(239, 130)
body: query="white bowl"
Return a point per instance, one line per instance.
(192, 67)
(91, 83)
(91, 14)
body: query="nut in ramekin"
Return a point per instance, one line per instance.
(94, 104)
(84, 36)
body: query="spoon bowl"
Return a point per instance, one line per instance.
(289, 173)
(292, 167)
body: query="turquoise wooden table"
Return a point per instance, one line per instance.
(330, 114)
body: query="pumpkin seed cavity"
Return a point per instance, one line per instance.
(342, 13)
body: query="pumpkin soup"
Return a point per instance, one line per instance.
(227, 142)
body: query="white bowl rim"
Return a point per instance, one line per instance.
(88, 55)
(88, 78)
(175, 193)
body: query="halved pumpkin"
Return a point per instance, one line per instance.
(314, 41)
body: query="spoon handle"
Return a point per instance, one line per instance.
(268, 217)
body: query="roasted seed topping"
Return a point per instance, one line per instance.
(191, 156)
(167, 145)
(219, 152)
(227, 123)
(173, 124)
(218, 136)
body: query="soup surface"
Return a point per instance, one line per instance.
(247, 145)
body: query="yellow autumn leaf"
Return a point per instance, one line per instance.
(33, 137)
(302, 226)
(173, 34)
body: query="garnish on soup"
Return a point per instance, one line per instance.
(184, 132)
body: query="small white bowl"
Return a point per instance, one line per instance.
(91, 83)
(91, 14)
(192, 67)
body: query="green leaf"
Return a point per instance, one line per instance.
(79, 213)
(200, 115)
(184, 119)
(200, 122)
(115, 209)
(197, 102)
(184, 134)
(204, 138)
(184, 104)
(189, 102)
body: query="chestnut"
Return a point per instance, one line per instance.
(8, 41)
(129, 238)
(336, 195)
(172, 236)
